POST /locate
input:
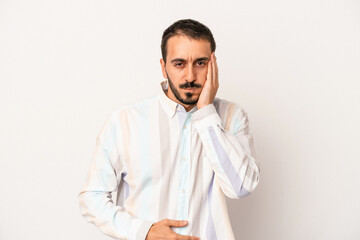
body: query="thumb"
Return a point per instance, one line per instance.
(176, 223)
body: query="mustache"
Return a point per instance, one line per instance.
(190, 85)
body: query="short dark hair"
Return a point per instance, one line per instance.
(190, 28)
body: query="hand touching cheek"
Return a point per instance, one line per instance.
(211, 84)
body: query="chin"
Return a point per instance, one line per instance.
(195, 100)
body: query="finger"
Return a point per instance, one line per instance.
(185, 237)
(216, 72)
(213, 70)
(209, 71)
(175, 223)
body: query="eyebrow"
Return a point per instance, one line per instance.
(183, 60)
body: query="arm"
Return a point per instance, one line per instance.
(95, 201)
(230, 152)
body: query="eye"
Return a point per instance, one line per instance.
(201, 63)
(178, 64)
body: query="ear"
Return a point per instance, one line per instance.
(162, 63)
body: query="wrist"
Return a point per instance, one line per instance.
(201, 105)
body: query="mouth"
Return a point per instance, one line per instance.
(189, 89)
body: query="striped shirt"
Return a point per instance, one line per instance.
(161, 161)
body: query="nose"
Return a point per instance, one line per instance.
(191, 74)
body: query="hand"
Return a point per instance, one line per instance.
(211, 84)
(161, 231)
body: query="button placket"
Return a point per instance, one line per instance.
(185, 170)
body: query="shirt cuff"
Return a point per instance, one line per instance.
(205, 117)
(143, 230)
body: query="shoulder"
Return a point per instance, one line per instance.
(232, 114)
(226, 107)
(124, 115)
(135, 107)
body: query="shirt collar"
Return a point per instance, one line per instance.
(169, 105)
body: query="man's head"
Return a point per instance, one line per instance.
(186, 49)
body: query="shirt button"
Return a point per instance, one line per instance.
(184, 126)
(184, 159)
(183, 191)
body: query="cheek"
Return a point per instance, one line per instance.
(176, 73)
(201, 76)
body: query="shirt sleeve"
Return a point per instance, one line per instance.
(231, 152)
(95, 198)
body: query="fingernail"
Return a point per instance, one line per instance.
(184, 221)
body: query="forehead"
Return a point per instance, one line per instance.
(181, 46)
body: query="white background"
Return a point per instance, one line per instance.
(293, 65)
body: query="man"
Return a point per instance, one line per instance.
(174, 156)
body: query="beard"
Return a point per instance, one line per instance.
(188, 100)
